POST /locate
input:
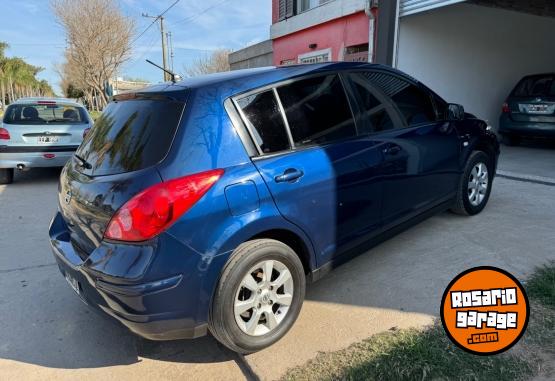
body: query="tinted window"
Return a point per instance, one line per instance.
(317, 110)
(535, 86)
(266, 121)
(53, 113)
(131, 135)
(414, 104)
(374, 114)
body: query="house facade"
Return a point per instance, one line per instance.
(312, 31)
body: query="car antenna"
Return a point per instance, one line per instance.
(174, 77)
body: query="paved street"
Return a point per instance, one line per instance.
(48, 333)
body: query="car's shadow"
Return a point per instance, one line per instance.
(37, 175)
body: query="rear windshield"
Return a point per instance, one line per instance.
(130, 135)
(536, 86)
(52, 113)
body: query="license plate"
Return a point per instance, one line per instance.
(73, 283)
(538, 109)
(47, 139)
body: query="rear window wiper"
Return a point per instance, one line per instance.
(82, 162)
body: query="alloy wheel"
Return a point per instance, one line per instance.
(263, 298)
(478, 184)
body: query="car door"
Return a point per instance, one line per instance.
(420, 149)
(322, 177)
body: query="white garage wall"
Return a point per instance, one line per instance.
(475, 55)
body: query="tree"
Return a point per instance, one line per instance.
(18, 79)
(217, 62)
(99, 42)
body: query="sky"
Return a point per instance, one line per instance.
(198, 27)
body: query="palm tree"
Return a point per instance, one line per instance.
(18, 79)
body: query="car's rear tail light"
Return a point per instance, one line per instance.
(152, 211)
(86, 132)
(506, 108)
(4, 134)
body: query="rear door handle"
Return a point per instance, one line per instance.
(392, 150)
(289, 175)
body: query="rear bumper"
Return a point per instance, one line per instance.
(10, 159)
(531, 129)
(131, 284)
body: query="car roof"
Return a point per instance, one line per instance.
(239, 81)
(31, 100)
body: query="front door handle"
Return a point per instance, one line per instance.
(392, 150)
(289, 175)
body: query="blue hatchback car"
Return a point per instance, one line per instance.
(208, 204)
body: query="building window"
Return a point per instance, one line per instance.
(357, 53)
(287, 62)
(305, 5)
(315, 57)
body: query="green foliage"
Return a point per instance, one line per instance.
(541, 285)
(19, 78)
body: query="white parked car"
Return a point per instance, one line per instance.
(40, 132)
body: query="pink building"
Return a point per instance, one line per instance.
(310, 31)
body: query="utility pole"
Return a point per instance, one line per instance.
(164, 52)
(170, 48)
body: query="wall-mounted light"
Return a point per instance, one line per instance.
(313, 46)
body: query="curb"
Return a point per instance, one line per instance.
(526, 178)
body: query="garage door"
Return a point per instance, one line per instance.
(409, 7)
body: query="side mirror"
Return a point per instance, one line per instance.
(455, 112)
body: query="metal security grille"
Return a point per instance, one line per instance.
(409, 7)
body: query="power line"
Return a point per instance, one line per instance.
(193, 17)
(154, 21)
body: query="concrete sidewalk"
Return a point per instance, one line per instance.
(47, 333)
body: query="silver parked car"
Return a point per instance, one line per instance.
(40, 132)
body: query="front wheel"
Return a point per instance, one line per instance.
(475, 185)
(259, 296)
(6, 175)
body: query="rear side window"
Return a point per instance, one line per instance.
(47, 113)
(374, 114)
(536, 86)
(414, 104)
(265, 121)
(317, 110)
(131, 135)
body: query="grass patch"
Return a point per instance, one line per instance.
(428, 354)
(410, 355)
(541, 285)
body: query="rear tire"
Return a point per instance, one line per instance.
(475, 185)
(6, 175)
(250, 310)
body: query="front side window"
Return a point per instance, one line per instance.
(47, 113)
(414, 104)
(317, 110)
(374, 114)
(265, 121)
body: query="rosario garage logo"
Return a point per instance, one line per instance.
(485, 310)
